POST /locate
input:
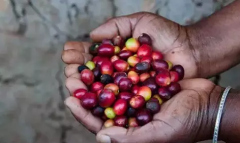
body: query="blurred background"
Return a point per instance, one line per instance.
(32, 34)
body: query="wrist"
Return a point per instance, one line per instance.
(209, 109)
(230, 122)
(198, 50)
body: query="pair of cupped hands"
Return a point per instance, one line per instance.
(184, 118)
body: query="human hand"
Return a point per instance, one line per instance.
(168, 37)
(187, 117)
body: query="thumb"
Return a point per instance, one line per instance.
(122, 135)
(122, 26)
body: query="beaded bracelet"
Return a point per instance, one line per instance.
(219, 115)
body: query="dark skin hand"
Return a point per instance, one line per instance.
(182, 119)
(204, 49)
(172, 40)
(188, 117)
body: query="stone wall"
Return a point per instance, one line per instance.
(32, 34)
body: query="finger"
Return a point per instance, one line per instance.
(82, 47)
(84, 116)
(197, 83)
(131, 135)
(73, 56)
(73, 83)
(71, 69)
(122, 26)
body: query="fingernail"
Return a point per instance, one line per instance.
(104, 139)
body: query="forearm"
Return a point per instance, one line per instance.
(230, 122)
(216, 41)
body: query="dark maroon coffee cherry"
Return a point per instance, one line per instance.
(143, 117)
(145, 39)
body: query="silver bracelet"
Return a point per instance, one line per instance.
(219, 115)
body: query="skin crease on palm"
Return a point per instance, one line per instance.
(174, 123)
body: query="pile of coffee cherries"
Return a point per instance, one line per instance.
(127, 81)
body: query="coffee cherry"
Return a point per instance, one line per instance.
(104, 117)
(120, 107)
(163, 71)
(98, 111)
(96, 86)
(106, 68)
(153, 106)
(117, 49)
(174, 76)
(87, 76)
(106, 79)
(158, 98)
(94, 49)
(145, 39)
(81, 68)
(125, 54)
(97, 73)
(142, 67)
(118, 41)
(125, 84)
(133, 76)
(114, 58)
(79, 93)
(164, 93)
(115, 74)
(107, 41)
(157, 55)
(144, 76)
(174, 88)
(159, 64)
(131, 112)
(180, 70)
(170, 65)
(106, 98)
(132, 44)
(143, 117)
(124, 49)
(121, 65)
(119, 76)
(98, 92)
(163, 79)
(109, 113)
(137, 101)
(108, 123)
(113, 87)
(154, 99)
(151, 83)
(144, 50)
(106, 50)
(89, 100)
(147, 59)
(152, 73)
(99, 60)
(145, 92)
(132, 61)
(135, 89)
(125, 95)
(120, 121)
(90, 65)
(132, 122)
